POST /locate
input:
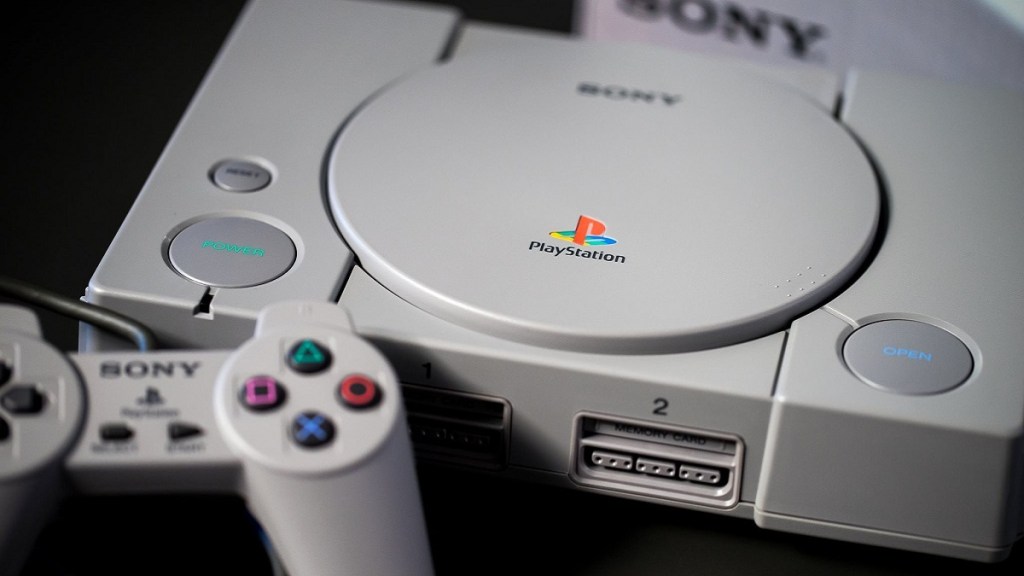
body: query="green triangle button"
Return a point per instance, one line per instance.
(309, 357)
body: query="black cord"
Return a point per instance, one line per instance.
(100, 317)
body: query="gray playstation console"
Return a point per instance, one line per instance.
(772, 294)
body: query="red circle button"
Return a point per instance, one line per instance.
(359, 391)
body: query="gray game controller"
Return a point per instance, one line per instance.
(305, 421)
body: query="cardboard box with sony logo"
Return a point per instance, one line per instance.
(978, 42)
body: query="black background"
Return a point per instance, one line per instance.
(91, 94)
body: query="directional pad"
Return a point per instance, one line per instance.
(23, 400)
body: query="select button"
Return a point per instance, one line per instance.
(231, 252)
(116, 432)
(908, 357)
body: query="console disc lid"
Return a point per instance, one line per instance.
(603, 199)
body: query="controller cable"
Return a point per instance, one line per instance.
(103, 318)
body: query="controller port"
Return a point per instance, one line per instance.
(611, 460)
(656, 467)
(458, 428)
(700, 475)
(657, 461)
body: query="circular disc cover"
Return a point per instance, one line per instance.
(605, 199)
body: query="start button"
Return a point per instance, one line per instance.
(231, 252)
(908, 357)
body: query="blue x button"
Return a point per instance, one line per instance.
(312, 430)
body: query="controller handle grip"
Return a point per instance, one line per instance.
(27, 503)
(365, 519)
(34, 444)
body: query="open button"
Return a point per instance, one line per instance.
(908, 357)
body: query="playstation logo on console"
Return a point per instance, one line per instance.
(587, 233)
